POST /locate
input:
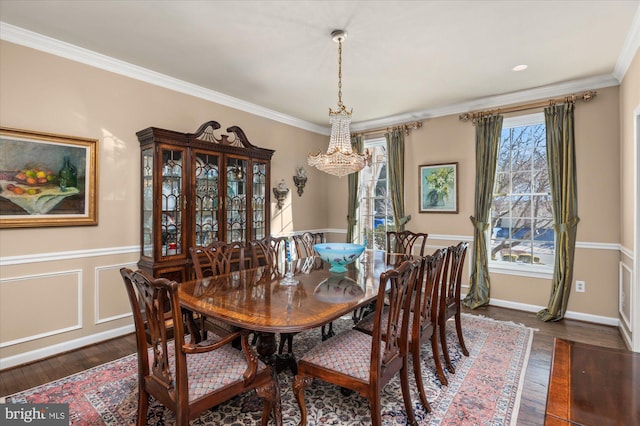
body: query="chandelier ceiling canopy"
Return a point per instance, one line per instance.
(340, 159)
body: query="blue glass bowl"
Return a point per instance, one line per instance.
(339, 255)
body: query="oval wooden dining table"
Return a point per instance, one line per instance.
(258, 299)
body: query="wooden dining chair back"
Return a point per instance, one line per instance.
(217, 258)
(185, 377)
(366, 363)
(304, 243)
(269, 251)
(407, 242)
(450, 298)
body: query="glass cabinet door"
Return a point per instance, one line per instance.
(236, 200)
(171, 202)
(147, 202)
(207, 198)
(258, 202)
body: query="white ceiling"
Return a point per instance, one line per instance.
(401, 59)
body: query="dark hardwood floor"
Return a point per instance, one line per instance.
(534, 394)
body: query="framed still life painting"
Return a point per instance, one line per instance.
(438, 188)
(47, 179)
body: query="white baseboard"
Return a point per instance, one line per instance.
(580, 316)
(38, 354)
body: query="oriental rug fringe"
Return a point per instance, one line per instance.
(485, 390)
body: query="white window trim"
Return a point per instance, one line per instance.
(531, 271)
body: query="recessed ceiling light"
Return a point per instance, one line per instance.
(520, 67)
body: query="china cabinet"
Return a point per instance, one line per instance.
(198, 188)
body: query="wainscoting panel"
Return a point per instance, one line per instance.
(111, 301)
(37, 306)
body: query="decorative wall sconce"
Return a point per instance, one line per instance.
(300, 179)
(280, 193)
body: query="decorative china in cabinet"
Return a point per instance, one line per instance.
(198, 188)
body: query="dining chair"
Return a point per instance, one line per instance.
(424, 320)
(450, 298)
(304, 243)
(362, 362)
(189, 378)
(217, 258)
(398, 242)
(407, 242)
(423, 323)
(268, 251)
(304, 248)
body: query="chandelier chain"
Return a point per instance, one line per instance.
(340, 74)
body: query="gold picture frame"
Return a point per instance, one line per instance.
(438, 188)
(47, 179)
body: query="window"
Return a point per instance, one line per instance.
(522, 235)
(375, 212)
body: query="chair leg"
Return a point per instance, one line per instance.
(445, 348)
(374, 407)
(436, 358)
(417, 374)
(143, 405)
(300, 383)
(459, 332)
(406, 393)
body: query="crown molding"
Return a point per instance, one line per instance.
(629, 48)
(553, 90)
(46, 44)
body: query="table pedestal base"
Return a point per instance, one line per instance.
(266, 347)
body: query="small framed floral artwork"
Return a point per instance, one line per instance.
(439, 188)
(47, 179)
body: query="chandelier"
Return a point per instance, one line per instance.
(340, 160)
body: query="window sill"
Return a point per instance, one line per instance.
(522, 271)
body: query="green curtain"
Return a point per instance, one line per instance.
(488, 135)
(561, 159)
(357, 144)
(395, 160)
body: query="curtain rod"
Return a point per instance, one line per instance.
(405, 127)
(473, 116)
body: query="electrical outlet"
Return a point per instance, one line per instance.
(580, 286)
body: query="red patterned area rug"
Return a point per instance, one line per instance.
(485, 390)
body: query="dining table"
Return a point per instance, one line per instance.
(263, 300)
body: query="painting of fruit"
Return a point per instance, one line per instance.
(47, 179)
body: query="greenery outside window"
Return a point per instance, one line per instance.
(522, 235)
(375, 210)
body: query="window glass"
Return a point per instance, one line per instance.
(521, 216)
(375, 211)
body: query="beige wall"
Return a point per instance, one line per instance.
(80, 293)
(46, 93)
(447, 139)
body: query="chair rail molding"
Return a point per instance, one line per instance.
(66, 255)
